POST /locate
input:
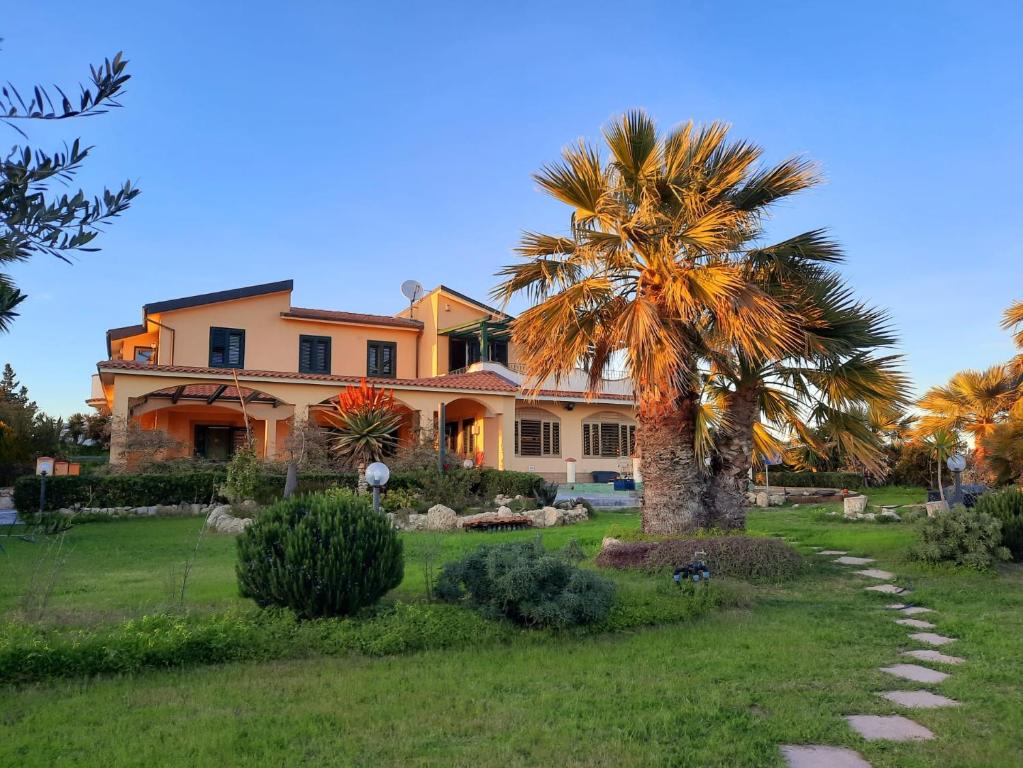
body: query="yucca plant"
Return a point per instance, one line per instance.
(365, 420)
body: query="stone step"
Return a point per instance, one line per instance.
(875, 573)
(937, 656)
(820, 756)
(888, 728)
(913, 610)
(919, 699)
(888, 589)
(915, 623)
(832, 552)
(855, 560)
(916, 673)
(931, 638)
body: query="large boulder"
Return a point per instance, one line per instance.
(763, 500)
(221, 520)
(935, 508)
(553, 516)
(441, 518)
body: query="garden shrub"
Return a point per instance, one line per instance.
(527, 584)
(319, 555)
(782, 478)
(962, 537)
(400, 499)
(243, 473)
(741, 557)
(1007, 507)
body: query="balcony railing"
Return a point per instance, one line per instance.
(614, 382)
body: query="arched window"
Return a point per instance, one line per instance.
(609, 435)
(537, 433)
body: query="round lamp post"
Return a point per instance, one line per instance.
(956, 464)
(377, 475)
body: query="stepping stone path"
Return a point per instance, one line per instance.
(888, 589)
(916, 673)
(875, 573)
(888, 728)
(937, 656)
(822, 757)
(885, 727)
(931, 638)
(920, 699)
(855, 560)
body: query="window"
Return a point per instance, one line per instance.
(145, 354)
(314, 354)
(227, 348)
(381, 358)
(538, 436)
(609, 439)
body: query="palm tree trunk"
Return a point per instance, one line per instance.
(674, 483)
(732, 461)
(941, 488)
(363, 486)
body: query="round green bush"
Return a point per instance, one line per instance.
(1007, 506)
(319, 556)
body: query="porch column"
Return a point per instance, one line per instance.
(270, 438)
(505, 436)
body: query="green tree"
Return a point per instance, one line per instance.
(25, 431)
(34, 220)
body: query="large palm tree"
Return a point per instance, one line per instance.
(653, 268)
(824, 394)
(974, 402)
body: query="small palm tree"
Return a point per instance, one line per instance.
(974, 402)
(942, 443)
(653, 269)
(365, 420)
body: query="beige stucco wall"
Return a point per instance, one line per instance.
(493, 416)
(271, 341)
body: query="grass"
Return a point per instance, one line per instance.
(723, 690)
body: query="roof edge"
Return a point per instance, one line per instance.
(201, 299)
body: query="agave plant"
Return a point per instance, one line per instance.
(365, 420)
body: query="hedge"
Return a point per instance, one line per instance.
(741, 557)
(203, 487)
(782, 478)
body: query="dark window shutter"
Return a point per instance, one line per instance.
(305, 355)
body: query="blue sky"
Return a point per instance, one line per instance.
(353, 145)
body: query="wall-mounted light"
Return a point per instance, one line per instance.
(569, 406)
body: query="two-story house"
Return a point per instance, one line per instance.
(194, 365)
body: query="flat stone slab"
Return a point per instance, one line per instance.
(937, 656)
(931, 638)
(888, 728)
(913, 610)
(916, 673)
(915, 623)
(920, 699)
(888, 589)
(896, 606)
(855, 560)
(832, 552)
(875, 573)
(815, 756)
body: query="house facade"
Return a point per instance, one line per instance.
(197, 367)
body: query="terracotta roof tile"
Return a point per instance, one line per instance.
(329, 315)
(480, 381)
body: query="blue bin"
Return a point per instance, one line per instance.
(625, 485)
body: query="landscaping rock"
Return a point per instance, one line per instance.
(915, 623)
(504, 510)
(890, 514)
(888, 728)
(870, 516)
(854, 560)
(221, 520)
(889, 589)
(441, 518)
(610, 541)
(853, 505)
(934, 508)
(875, 573)
(763, 500)
(913, 610)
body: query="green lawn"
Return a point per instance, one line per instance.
(723, 690)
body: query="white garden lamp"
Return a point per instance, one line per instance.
(377, 475)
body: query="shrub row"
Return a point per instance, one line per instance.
(1007, 507)
(741, 557)
(783, 478)
(204, 486)
(31, 653)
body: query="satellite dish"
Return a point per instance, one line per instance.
(412, 290)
